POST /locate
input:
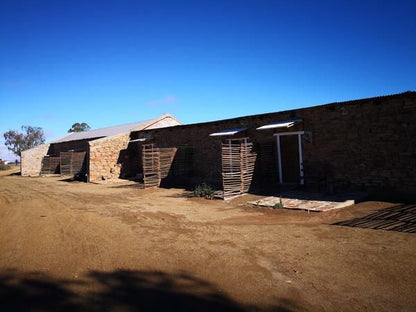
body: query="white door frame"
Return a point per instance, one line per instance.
(279, 155)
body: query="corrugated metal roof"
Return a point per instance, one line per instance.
(228, 132)
(109, 131)
(280, 124)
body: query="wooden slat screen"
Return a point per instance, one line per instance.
(72, 163)
(150, 159)
(248, 161)
(231, 169)
(65, 163)
(50, 165)
(156, 164)
(238, 161)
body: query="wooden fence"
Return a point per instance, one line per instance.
(238, 161)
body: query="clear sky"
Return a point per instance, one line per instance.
(114, 62)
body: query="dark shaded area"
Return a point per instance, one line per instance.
(50, 165)
(77, 146)
(35, 292)
(181, 169)
(74, 163)
(265, 173)
(134, 185)
(67, 158)
(391, 194)
(400, 218)
(121, 290)
(74, 179)
(131, 162)
(290, 159)
(318, 176)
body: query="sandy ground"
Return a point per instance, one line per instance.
(70, 245)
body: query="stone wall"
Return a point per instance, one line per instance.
(366, 144)
(31, 160)
(105, 157)
(109, 157)
(360, 145)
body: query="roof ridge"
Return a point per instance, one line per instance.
(106, 131)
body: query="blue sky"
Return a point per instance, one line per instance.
(113, 62)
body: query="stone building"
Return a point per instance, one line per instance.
(367, 145)
(96, 155)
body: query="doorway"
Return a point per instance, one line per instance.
(290, 157)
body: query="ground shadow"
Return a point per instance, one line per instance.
(121, 290)
(135, 185)
(73, 179)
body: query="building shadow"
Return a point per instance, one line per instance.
(121, 290)
(264, 180)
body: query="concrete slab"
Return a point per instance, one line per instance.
(309, 201)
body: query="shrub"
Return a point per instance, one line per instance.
(204, 190)
(5, 167)
(279, 205)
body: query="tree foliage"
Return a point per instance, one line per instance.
(17, 142)
(79, 127)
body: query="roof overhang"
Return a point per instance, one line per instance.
(138, 140)
(280, 124)
(228, 132)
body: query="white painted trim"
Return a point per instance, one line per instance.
(300, 159)
(289, 133)
(279, 160)
(239, 139)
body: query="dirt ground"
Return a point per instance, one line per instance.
(68, 246)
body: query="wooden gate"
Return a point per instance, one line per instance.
(238, 161)
(156, 164)
(72, 163)
(50, 165)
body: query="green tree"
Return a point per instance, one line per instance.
(79, 127)
(17, 142)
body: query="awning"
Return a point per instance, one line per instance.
(138, 140)
(280, 124)
(228, 132)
